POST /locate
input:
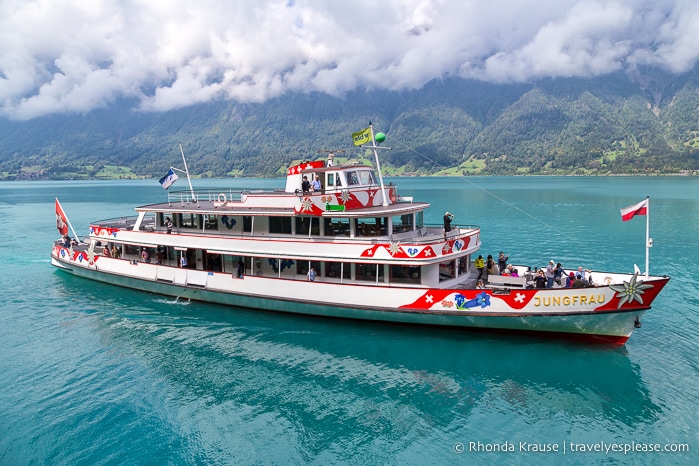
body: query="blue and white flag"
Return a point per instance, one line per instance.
(167, 180)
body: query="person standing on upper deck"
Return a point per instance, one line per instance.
(316, 184)
(448, 217)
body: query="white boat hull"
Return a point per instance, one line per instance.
(589, 312)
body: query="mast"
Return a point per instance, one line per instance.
(186, 170)
(649, 240)
(378, 165)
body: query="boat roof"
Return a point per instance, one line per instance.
(211, 208)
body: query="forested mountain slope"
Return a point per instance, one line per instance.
(647, 123)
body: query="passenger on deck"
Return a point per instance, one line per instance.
(479, 263)
(144, 255)
(316, 184)
(490, 267)
(502, 262)
(583, 273)
(540, 279)
(305, 185)
(569, 280)
(480, 285)
(558, 274)
(311, 274)
(550, 274)
(115, 252)
(578, 282)
(168, 225)
(512, 270)
(66, 241)
(105, 252)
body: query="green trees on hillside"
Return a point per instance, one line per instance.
(611, 124)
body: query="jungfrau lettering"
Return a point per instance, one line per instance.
(572, 300)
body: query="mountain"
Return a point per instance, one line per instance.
(647, 122)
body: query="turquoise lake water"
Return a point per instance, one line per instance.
(93, 374)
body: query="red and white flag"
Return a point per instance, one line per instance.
(61, 220)
(641, 208)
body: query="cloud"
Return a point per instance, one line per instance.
(59, 56)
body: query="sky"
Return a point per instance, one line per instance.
(72, 56)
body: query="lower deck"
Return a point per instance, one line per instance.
(451, 273)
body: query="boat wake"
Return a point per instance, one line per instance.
(176, 301)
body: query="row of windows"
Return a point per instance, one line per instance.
(203, 260)
(339, 226)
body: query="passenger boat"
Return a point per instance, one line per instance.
(355, 249)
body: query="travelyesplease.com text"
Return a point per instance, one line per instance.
(569, 447)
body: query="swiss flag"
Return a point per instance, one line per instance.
(61, 220)
(641, 208)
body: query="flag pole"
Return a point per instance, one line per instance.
(649, 241)
(378, 166)
(186, 170)
(68, 220)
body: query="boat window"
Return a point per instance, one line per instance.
(419, 223)
(367, 272)
(247, 224)
(337, 227)
(371, 226)
(331, 180)
(280, 225)
(132, 252)
(211, 222)
(338, 180)
(352, 178)
(191, 220)
(402, 223)
(405, 274)
(337, 270)
(304, 224)
(212, 262)
(446, 270)
(366, 177)
(302, 267)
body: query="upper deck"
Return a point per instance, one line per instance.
(342, 191)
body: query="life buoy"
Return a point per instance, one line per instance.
(607, 281)
(222, 198)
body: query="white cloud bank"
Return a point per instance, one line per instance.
(61, 56)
